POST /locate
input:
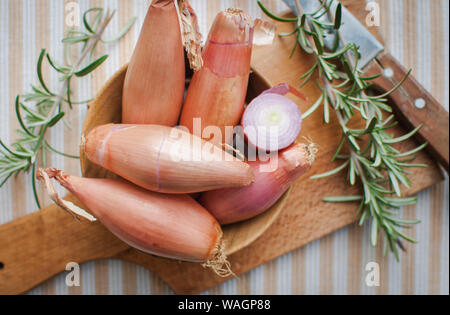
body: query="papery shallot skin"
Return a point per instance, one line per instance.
(171, 226)
(164, 159)
(233, 205)
(155, 81)
(217, 92)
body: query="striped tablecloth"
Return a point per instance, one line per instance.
(415, 31)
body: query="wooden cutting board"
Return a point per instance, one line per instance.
(36, 247)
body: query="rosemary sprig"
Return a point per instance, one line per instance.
(372, 160)
(41, 109)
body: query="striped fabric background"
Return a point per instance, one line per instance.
(416, 32)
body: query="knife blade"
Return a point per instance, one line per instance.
(352, 31)
(412, 103)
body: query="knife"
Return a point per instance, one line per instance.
(413, 104)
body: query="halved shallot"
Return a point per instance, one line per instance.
(272, 122)
(171, 226)
(165, 159)
(272, 180)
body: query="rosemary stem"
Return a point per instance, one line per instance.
(92, 42)
(45, 109)
(341, 120)
(330, 94)
(350, 58)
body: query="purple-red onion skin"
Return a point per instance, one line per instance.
(155, 81)
(233, 205)
(171, 226)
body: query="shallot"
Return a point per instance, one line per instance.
(272, 179)
(155, 81)
(164, 159)
(171, 226)
(272, 122)
(217, 92)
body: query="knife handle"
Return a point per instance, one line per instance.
(38, 246)
(414, 106)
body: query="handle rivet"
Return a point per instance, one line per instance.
(388, 73)
(420, 103)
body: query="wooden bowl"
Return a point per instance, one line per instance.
(107, 108)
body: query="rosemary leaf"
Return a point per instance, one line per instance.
(125, 30)
(275, 17)
(314, 107)
(343, 199)
(405, 137)
(332, 172)
(338, 17)
(94, 65)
